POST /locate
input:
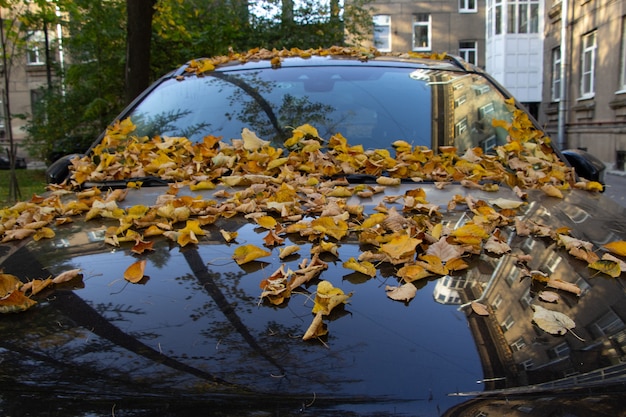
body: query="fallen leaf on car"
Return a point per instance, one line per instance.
(135, 272)
(479, 308)
(609, 267)
(617, 247)
(553, 322)
(364, 267)
(405, 292)
(246, 253)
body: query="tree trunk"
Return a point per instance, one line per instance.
(139, 34)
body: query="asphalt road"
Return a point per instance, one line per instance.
(616, 186)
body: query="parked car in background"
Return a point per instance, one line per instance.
(5, 161)
(321, 232)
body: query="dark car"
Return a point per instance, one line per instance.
(326, 232)
(5, 162)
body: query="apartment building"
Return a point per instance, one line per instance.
(425, 26)
(519, 43)
(30, 70)
(591, 109)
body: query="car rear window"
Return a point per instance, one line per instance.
(369, 105)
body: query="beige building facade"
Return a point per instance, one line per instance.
(593, 108)
(425, 26)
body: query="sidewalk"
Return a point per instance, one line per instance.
(616, 186)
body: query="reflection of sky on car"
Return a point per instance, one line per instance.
(171, 313)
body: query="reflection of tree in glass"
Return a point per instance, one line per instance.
(267, 113)
(293, 112)
(166, 123)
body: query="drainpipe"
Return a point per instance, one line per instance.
(562, 139)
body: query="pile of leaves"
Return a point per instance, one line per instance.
(300, 189)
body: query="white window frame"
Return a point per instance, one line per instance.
(466, 49)
(555, 94)
(522, 16)
(418, 22)
(382, 25)
(468, 6)
(588, 65)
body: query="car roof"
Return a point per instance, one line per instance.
(326, 57)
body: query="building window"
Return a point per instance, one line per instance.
(507, 323)
(588, 64)
(606, 325)
(623, 69)
(559, 351)
(518, 345)
(522, 16)
(36, 48)
(468, 51)
(498, 17)
(421, 32)
(556, 74)
(382, 32)
(467, 6)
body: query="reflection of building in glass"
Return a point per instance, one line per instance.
(514, 350)
(463, 111)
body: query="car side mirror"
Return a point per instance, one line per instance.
(59, 170)
(585, 164)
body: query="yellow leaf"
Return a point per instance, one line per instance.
(288, 250)
(331, 227)
(433, 264)
(14, 302)
(228, 236)
(44, 233)
(608, 267)
(316, 328)
(364, 267)
(135, 272)
(617, 247)
(552, 191)
(400, 246)
(328, 297)
(412, 272)
(251, 142)
(246, 253)
(267, 222)
(470, 234)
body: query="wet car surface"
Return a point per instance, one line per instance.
(194, 336)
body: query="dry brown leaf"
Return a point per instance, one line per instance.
(405, 292)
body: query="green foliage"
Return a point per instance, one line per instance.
(71, 116)
(91, 93)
